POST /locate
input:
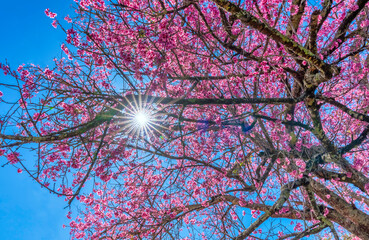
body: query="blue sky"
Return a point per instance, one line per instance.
(28, 212)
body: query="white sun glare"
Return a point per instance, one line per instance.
(142, 119)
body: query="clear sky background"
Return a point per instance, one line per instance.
(28, 212)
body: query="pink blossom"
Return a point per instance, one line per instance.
(54, 23)
(326, 211)
(242, 203)
(298, 227)
(13, 157)
(68, 19)
(50, 14)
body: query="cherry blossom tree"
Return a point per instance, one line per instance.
(200, 119)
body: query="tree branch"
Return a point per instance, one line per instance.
(285, 193)
(99, 119)
(344, 108)
(342, 29)
(249, 20)
(345, 209)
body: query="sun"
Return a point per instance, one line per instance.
(142, 119)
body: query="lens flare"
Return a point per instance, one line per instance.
(140, 119)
